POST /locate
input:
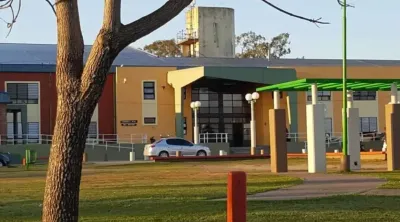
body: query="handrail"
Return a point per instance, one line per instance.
(213, 137)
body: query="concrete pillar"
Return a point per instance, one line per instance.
(392, 117)
(277, 132)
(276, 99)
(314, 94)
(353, 135)
(252, 130)
(316, 150)
(393, 94)
(178, 111)
(349, 99)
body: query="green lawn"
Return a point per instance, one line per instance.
(180, 192)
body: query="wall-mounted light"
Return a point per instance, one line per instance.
(125, 80)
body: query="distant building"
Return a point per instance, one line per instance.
(151, 96)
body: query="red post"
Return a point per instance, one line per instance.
(236, 197)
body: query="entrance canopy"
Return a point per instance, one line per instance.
(333, 85)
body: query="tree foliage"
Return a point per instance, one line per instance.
(163, 48)
(252, 45)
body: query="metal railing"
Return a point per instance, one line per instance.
(91, 139)
(334, 136)
(213, 138)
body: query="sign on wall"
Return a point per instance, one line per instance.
(128, 122)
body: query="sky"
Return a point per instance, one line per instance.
(372, 33)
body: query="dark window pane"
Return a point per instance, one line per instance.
(195, 97)
(204, 110)
(228, 103)
(213, 97)
(214, 120)
(237, 103)
(203, 97)
(227, 120)
(148, 84)
(237, 110)
(214, 110)
(149, 120)
(227, 97)
(237, 97)
(227, 109)
(213, 103)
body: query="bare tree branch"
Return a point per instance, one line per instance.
(8, 4)
(341, 3)
(147, 24)
(316, 21)
(52, 7)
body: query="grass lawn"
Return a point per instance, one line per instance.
(179, 192)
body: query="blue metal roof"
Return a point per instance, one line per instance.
(16, 57)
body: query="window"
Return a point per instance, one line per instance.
(322, 96)
(208, 99)
(149, 91)
(364, 95)
(328, 125)
(23, 93)
(368, 124)
(92, 132)
(233, 103)
(10, 130)
(33, 131)
(149, 120)
(178, 142)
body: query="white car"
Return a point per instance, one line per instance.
(168, 146)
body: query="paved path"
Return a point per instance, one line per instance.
(321, 185)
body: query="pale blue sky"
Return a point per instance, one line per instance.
(373, 32)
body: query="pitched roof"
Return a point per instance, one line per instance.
(16, 57)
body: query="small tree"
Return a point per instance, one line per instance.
(163, 48)
(80, 84)
(253, 45)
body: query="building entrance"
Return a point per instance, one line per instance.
(224, 109)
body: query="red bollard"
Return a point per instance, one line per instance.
(236, 197)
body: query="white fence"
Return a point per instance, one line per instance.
(91, 139)
(213, 138)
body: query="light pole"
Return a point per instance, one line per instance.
(195, 106)
(345, 151)
(251, 98)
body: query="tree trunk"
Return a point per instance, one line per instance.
(61, 200)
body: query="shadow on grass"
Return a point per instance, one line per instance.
(340, 208)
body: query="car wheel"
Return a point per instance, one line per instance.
(2, 163)
(163, 154)
(201, 153)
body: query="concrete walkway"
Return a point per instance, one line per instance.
(321, 185)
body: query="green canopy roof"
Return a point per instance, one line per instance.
(333, 85)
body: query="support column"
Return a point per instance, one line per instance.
(316, 150)
(353, 133)
(278, 145)
(392, 117)
(252, 131)
(178, 111)
(393, 96)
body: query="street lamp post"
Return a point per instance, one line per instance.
(195, 106)
(345, 151)
(251, 98)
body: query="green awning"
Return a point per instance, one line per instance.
(333, 85)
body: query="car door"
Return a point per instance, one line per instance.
(187, 148)
(173, 146)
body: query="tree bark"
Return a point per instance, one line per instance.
(79, 88)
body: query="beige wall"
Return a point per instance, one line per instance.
(131, 106)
